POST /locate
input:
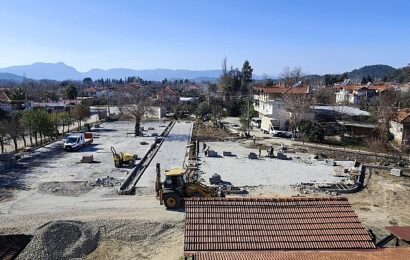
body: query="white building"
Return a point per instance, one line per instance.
(354, 95)
(400, 127)
(269, 101)
(155, 112)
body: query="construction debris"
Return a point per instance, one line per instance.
(104, 182)
(227, 153)
(252, 156)
(215, 179)
(396, 172)
(87, 158)
(212, 153)
(225, 186)
(282, 156)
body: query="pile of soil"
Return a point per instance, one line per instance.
(209, 133)
(61, 240)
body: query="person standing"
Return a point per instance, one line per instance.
(260, 150)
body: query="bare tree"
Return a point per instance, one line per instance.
(134, 103)
(325, 96)
(291, 76)
(386, 109)
(81, 113)
(299, 107)
(3, 133)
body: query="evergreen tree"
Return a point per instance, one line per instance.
(246, 77)
(364, 80)
(70, 92)
(369, 79)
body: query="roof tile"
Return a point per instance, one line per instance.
(217, 224)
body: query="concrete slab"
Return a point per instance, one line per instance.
(170, 155)
(265, 171)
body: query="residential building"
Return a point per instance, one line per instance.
(155, 112)
(7, 104)
(168, 94)
(5, 101)
(89, 92)
(400, 127)
(352, 94)
(269, 100)
(360, 94)
(58, 106)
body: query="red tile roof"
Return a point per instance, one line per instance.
(281, 89)
(353, 87)
(381, 87)
(4, 97)
(90, 90)
(387, 253)
(402, 115)
(218, 224)
(167, 91)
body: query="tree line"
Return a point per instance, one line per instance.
(33, 127)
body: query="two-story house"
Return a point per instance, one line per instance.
(352, 94)
(269, 102)
(400, 127)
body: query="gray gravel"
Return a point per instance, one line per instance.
(69, 188)
(61, 240)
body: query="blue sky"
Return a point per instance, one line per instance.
(318, 35)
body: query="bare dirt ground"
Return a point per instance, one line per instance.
(384, 202)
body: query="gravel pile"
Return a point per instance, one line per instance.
(132, 231)
(61, 240)
(69, 188)
(104, 182)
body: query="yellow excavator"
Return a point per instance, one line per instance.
(179, 184)
(123, 159)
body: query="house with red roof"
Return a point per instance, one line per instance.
(352, 94)
(90, 92)
(400, 126)
(168, 94)
(269, 100)
(357, 94)
(5, 101)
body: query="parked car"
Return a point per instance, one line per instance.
(281, 133)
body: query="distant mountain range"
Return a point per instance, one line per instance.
(8, 77)
(377, 72)
(61, 71)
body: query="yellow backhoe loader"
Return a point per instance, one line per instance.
(178, 185)
(123, 159)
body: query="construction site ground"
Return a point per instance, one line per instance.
(52, 185)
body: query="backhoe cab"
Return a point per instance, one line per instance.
(123, 159)
(178, 185)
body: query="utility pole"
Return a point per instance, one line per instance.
(247, 121)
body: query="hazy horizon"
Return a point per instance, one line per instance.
(319, 36)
